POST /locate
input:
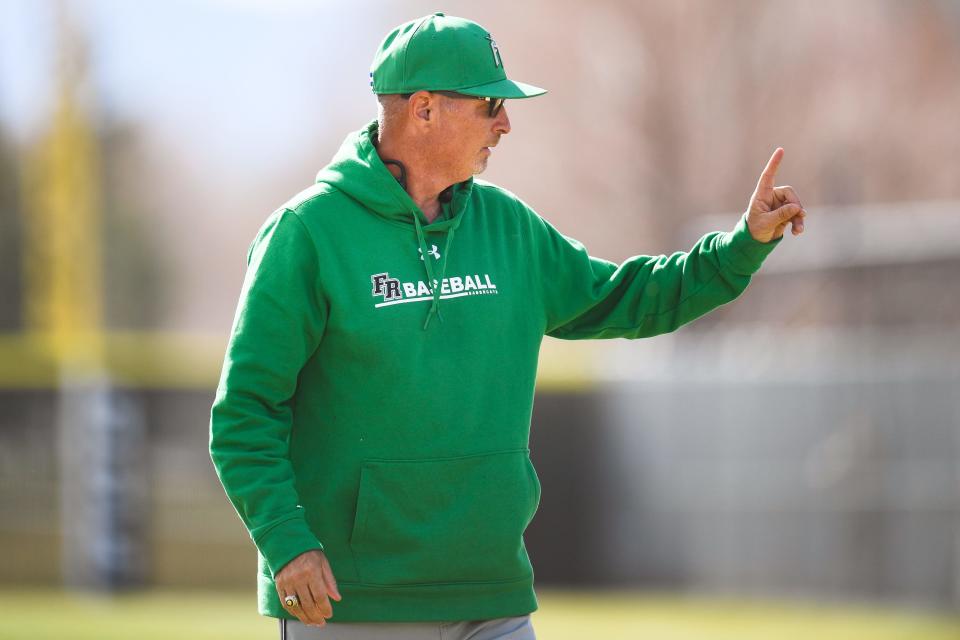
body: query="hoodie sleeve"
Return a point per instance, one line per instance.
(278, 325)
(587, 297)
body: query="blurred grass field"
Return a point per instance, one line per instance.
(563, 615)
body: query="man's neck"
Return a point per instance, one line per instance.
(422, 187)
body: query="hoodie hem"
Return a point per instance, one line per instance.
(418, 603)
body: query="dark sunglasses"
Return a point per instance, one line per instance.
(495, 104)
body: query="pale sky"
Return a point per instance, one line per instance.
(212, 69)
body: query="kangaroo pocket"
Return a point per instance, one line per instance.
(445, 520)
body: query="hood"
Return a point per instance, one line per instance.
(357, 170)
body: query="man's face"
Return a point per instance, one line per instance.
(463, 141)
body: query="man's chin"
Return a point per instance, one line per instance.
(480, 167)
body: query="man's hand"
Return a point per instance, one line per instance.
(310, 578)
(772, 208)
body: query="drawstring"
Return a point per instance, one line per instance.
(435, 303)
(434, 284)
(443, 268)
(445, 196)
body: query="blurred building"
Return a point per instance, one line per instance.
(804, 442)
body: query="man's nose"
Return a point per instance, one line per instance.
(502, 124)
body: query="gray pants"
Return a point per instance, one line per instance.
(518, 628)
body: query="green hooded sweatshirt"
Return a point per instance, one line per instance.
(363, 412)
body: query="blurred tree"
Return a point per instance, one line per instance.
(134, 273)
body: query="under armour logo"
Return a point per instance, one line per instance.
(433, 251)
(496, 52)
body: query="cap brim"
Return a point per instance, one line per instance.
(504, 89)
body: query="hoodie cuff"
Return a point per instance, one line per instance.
(285, 541)
(741, 253)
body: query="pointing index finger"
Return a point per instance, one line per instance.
(767, 178)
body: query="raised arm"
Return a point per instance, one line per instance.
(587, 297)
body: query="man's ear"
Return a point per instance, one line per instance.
(422, 106)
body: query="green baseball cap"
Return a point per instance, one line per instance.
(444, 53)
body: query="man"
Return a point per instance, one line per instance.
(373, 413)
